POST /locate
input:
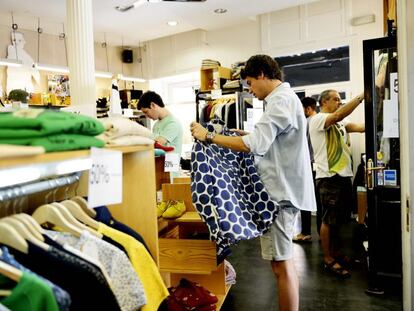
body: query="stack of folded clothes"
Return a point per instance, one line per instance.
(236, 69)
(102, 108)
(209, 63)
(50, 129)
(120, 131)
(230, 273)
(191, 296)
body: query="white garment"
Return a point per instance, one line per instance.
(126, 286)
(115, 100)
(119, 126)
(7, 151)
(319, 142)
(281, 151)
(128, 140)
(20, 77)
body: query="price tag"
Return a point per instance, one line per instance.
(105, 177)
(172, 162)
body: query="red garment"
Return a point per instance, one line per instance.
(162, 147)
(191, 296)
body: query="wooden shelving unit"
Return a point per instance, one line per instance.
(211, 78)
(183, 254)
(138, 208)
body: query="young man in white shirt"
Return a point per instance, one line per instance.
(280, 147)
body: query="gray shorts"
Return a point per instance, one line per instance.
(277, 242)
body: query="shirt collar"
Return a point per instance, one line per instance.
(281, 86)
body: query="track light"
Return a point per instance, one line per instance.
(10, 62)
(127, 78)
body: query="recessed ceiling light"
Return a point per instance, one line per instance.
(220, 11)
(172, 23)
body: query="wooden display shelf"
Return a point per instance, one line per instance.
(210, 78)
(185, 249)
(189, 217)
(62, 156)
(221, 298)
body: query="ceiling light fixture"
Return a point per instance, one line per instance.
(172, 23)
(51, 68)
(128, 78)
(10, 62)
(103, 74)
(220, 11)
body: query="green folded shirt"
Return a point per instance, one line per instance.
(59, 142)
(40, 122)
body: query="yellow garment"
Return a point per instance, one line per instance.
(144, 266)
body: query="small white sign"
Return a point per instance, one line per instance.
(105, 177)
(391, 119)
(172, 162)
(394, 86)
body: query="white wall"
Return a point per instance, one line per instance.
(52, 51)
(315, 26)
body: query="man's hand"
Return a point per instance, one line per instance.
(198, 131)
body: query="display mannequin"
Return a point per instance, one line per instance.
(20, 77)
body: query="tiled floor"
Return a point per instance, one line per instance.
(256, 289)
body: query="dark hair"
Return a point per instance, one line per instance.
(149, 97)
(325, 95)
(309, 102)
(262, 64)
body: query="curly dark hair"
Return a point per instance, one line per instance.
(262, 64)
(149, 97)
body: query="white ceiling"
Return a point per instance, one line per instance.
(142, 23)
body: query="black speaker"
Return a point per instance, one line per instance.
(127, 56)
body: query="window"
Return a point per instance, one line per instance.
(317, 67)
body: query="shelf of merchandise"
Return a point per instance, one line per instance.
(185, 250)
(138, 207)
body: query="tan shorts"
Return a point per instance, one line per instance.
(277, 242)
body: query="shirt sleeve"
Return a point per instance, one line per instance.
(318, 121)
(277, 119)
(170, 131)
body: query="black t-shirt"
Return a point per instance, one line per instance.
(84, 282)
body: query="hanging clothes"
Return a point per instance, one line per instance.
(124, 282)
(104, 215)
(62, 297)
(83, 281)
(144, 266)
(29, 294)
(229, 195)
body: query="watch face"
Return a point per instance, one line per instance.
(210, 136)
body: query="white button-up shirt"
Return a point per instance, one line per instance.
(281, 150)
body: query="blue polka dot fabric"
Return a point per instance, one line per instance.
(229, 195)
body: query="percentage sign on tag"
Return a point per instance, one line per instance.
(172, 162)
(105, 177)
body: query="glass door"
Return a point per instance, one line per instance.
(382, 161)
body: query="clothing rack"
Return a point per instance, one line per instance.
(16, 191)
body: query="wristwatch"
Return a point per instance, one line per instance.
(209, 137)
